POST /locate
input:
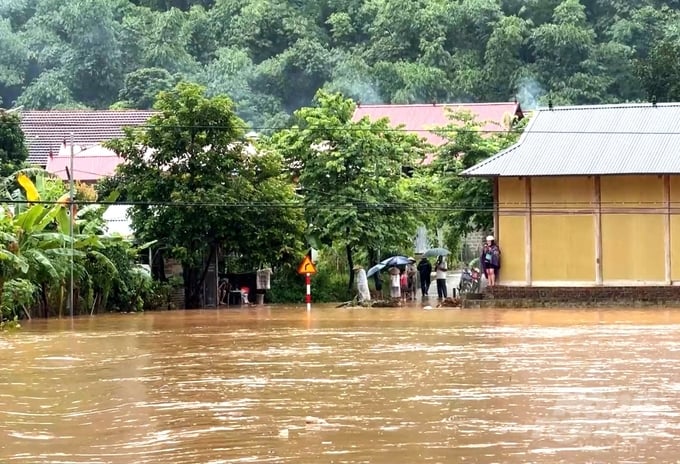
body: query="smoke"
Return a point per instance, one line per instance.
(529, 92)
(356, 88)
(351, 77)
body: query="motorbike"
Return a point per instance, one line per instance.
(470, 279)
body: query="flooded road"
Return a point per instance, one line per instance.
(344, 386)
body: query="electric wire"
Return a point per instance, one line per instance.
(502, 207)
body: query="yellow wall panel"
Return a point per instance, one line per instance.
(511, 242)
(621, 192)
(675, 227)
(511, 194)
(633, 247)
(675, 248)
(563, 248)
(675, 193)
(560, 193)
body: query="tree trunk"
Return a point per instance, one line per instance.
(43, 298)
(192, 298)
(194, 285)
(158, 266)
(350, 263)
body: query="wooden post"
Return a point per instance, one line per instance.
(667, 229)
(496, 231)
(597, 208)
(527, 230)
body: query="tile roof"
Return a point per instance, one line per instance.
(89, 165)
(592, 140)
(46, 131)
(421, 118)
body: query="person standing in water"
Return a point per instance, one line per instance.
(395, 283)
(441, 268)
(425, 271)
(490, 260)
(362, 284)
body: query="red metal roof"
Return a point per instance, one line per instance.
(46, 131)
(89, 165)
(421, 117)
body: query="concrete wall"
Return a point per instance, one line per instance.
(585, 231)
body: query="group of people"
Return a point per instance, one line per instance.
(403, 280)
(425, 271)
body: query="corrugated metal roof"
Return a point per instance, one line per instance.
(592, 140)
(47, 131)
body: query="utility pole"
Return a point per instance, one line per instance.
(71, 221)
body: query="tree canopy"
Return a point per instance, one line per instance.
(200, 187)
(350, 174)
(272, 56)
(13, 152)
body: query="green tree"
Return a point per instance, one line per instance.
(503, 56)
(472, 199)
(13, 152)
(49, 91)
(659, 74)
(561, 47)
(233, 73)
(355, 194)
(13, 59)
(141, 87)
(225, 194)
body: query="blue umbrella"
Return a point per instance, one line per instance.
(375, 269)
(389, 262)
(395, 261)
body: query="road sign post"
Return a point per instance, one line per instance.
(307, 268)
(308, 297)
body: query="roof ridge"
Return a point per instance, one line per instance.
(431, 105)
(504, 152)
(608, 106)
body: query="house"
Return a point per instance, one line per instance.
(590, 197)
(47, 132)
(89, 164)
(423, 119)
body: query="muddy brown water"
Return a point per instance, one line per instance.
(383, 386)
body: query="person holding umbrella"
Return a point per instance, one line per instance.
(425, 271)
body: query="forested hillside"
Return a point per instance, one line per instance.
(271, 56)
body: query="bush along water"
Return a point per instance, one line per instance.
(38, 255)
(327, 286)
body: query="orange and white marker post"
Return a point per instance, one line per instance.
(308, 297)
(307, 268)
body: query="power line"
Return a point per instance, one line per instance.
(503, 207)
(434, 130)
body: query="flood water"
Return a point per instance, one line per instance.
(383, 386)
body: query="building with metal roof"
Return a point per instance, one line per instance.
(590, 196)
(592, 140)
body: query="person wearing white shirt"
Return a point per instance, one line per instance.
(441, 268)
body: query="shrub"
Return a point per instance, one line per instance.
(289, 287)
